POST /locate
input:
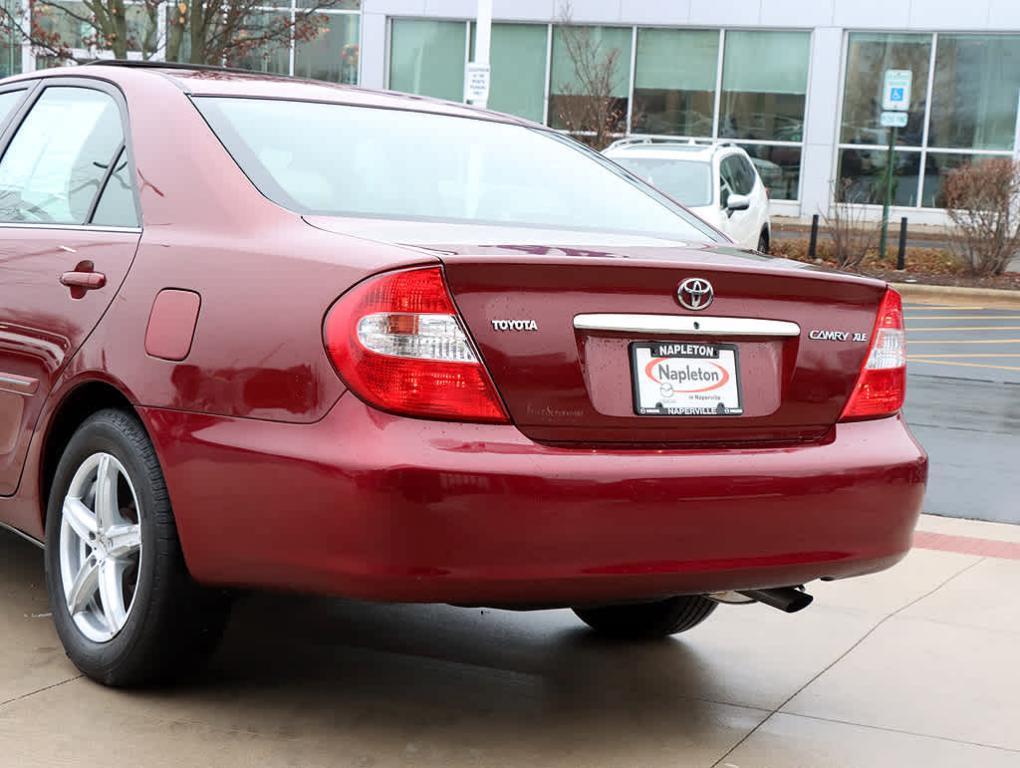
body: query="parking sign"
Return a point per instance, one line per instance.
(896, 91)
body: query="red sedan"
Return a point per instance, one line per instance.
(268, 333)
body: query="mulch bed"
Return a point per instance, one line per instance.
(925, 266)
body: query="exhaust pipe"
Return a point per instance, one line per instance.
(788, 599)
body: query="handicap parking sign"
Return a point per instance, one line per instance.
(896, 90)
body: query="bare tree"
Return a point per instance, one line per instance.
(585, 104)
(982, 202)
(197, 31)
(851, 233)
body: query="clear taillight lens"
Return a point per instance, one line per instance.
(882, 384)
(398, 343)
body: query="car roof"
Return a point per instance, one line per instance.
(676, 149)
(198, 80)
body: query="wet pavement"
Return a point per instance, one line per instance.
(914, 666)
(963, 404)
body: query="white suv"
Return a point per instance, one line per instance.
(717, 182)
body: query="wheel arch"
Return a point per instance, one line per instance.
(74, 407)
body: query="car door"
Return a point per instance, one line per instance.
(69, 228)
(741, 225)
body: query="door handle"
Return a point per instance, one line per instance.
(83, 278)
(87, 280)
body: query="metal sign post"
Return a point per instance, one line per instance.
(895, 103)
(478, 73)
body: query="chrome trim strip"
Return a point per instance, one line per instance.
(22, 535)
(72, 227)
(708, 325)
(19, 385)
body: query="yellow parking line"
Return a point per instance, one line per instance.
(1014, 316)
(968, 328)
(934, 307)
(967, 365)
(986, 354)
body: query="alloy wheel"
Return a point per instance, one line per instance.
(100, 547)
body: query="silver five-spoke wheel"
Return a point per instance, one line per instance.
(100, 547)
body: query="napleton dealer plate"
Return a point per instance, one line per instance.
(685, 379)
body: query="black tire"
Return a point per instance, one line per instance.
(648, 620)
(172, 623)
(763, 242)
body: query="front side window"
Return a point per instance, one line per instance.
(340, 160)
(57, 162)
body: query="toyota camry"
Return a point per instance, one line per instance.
(264, 333)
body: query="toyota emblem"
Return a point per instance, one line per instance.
(695, 293)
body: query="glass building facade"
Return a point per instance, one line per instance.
(797, 84)
(963, 109)
(744, 86)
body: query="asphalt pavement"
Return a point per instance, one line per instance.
(963, 404)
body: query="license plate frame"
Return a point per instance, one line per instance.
(722, 397)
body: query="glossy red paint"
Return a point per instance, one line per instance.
(172, 324)
(577, 500)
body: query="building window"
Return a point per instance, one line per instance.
(674, 82)
(581, 57)
(267, 58)
(974, 101)
(764, 85)
(427, 57)
(972, 114)
(333, 53)
(517, 54)
(868, 56)
(746, 87)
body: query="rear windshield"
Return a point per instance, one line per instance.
(340, 160)
(688, 181)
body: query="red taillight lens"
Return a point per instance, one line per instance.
(398, 343)
(882, 384)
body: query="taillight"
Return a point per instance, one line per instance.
(398, 343)
(882, 383)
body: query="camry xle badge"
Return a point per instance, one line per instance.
(514, 325)
(695, 293)
(837, 336)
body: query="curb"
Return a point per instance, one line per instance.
(950, 294)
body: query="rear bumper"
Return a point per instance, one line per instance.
(376, 506)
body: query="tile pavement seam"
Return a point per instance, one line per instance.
(45, 688)
(843, 655)
(901, 731)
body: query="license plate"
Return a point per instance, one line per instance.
(683, 378)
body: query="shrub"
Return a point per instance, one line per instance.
(982, 200)
(851, 232)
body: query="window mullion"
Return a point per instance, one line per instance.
(927, 120)
(718, 84)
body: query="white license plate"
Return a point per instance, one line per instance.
(685, 378)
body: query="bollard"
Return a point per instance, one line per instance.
(813, 244)
(901, 256)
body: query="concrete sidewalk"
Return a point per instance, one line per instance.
(918, 666)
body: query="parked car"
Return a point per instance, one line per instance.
(259, 332)
(717, 182)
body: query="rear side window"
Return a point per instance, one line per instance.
(8, 101)
(57, 162)
(116, 206)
